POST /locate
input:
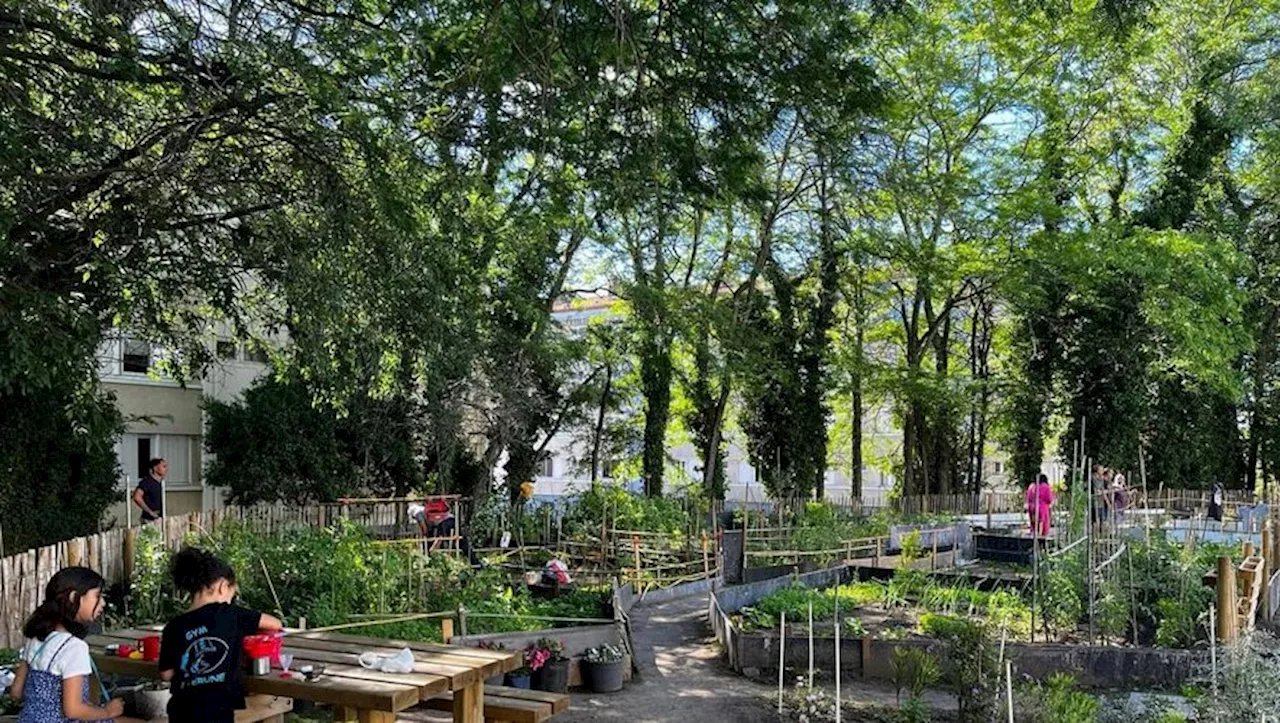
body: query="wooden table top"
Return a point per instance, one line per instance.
(437, 669)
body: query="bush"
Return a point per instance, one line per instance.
(972, 670)
(1057, 701)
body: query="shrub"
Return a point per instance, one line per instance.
(972, 669)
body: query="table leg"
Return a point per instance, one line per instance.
(344, 715)
(376, 716)
(468, 703)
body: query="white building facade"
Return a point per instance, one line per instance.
(164, 418)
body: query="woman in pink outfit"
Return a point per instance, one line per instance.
(1039, 500)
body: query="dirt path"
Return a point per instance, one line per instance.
(683, 679)
(681, 676)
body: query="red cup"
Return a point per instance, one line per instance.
(151, 647)
(124, 651)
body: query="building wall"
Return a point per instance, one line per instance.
(164, 418)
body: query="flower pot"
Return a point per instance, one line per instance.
(518, 681)
(605, 677)
(498, 679)
(553, 677)
(151, 704)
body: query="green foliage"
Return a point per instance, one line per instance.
(58, 470)
(912, 547)
(1057, 701)
(914, 670)
(971, 662)
(259, 456)
(329, 575)
(624, 511)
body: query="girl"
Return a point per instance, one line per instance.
(200, 650)
(52, 678)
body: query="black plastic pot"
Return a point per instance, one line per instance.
(518, 681)
(552, 677)
(605, 677)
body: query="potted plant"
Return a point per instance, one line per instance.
(604, 668)
(490, 645)
(550, 666)
(520, 678)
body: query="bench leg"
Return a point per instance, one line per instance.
(468, 703)
(376, 716)
(344, 715)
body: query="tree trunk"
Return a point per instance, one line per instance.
(598, 433)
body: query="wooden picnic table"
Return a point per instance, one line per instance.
(356, 693)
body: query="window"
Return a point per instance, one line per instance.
(176, 450)
(999, 467)
(547, 466)
(255, 352)
(226, 350)
(144, 456)
(136, 356)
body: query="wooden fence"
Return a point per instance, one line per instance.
(23, 576)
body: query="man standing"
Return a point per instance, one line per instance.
(149, 494)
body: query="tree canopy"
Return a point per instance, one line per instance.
(1007, 223)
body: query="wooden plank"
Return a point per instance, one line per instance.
(468, 704)
(513, 709)
(559, 702)
(460, 671)
(331, 689)
(344, 665)
(410, 644)
(444, 655)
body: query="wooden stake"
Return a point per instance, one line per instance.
(446, 629)
(1226, 599)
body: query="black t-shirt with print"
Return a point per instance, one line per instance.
(204, 648)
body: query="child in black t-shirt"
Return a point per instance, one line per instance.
(200, 650)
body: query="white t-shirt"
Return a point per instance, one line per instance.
(417, 512)
(70, 661)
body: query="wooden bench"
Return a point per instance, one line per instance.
(514, 705)
(268, 708)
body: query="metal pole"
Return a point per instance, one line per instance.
(1213, 649)
(838, 706)
(811, 643)
(782, 647)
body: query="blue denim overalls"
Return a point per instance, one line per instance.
(42, 693)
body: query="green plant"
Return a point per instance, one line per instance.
(912, 547)
(971, 661)
(912, 711)
(603, 654)
(1064, 704)
(914, 670)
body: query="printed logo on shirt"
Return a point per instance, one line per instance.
(203, 658)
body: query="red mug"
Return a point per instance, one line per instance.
(151, 647)
(124, 651)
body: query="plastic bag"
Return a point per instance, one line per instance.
(401, 662)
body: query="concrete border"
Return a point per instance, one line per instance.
(752, 653)
(756, 653)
